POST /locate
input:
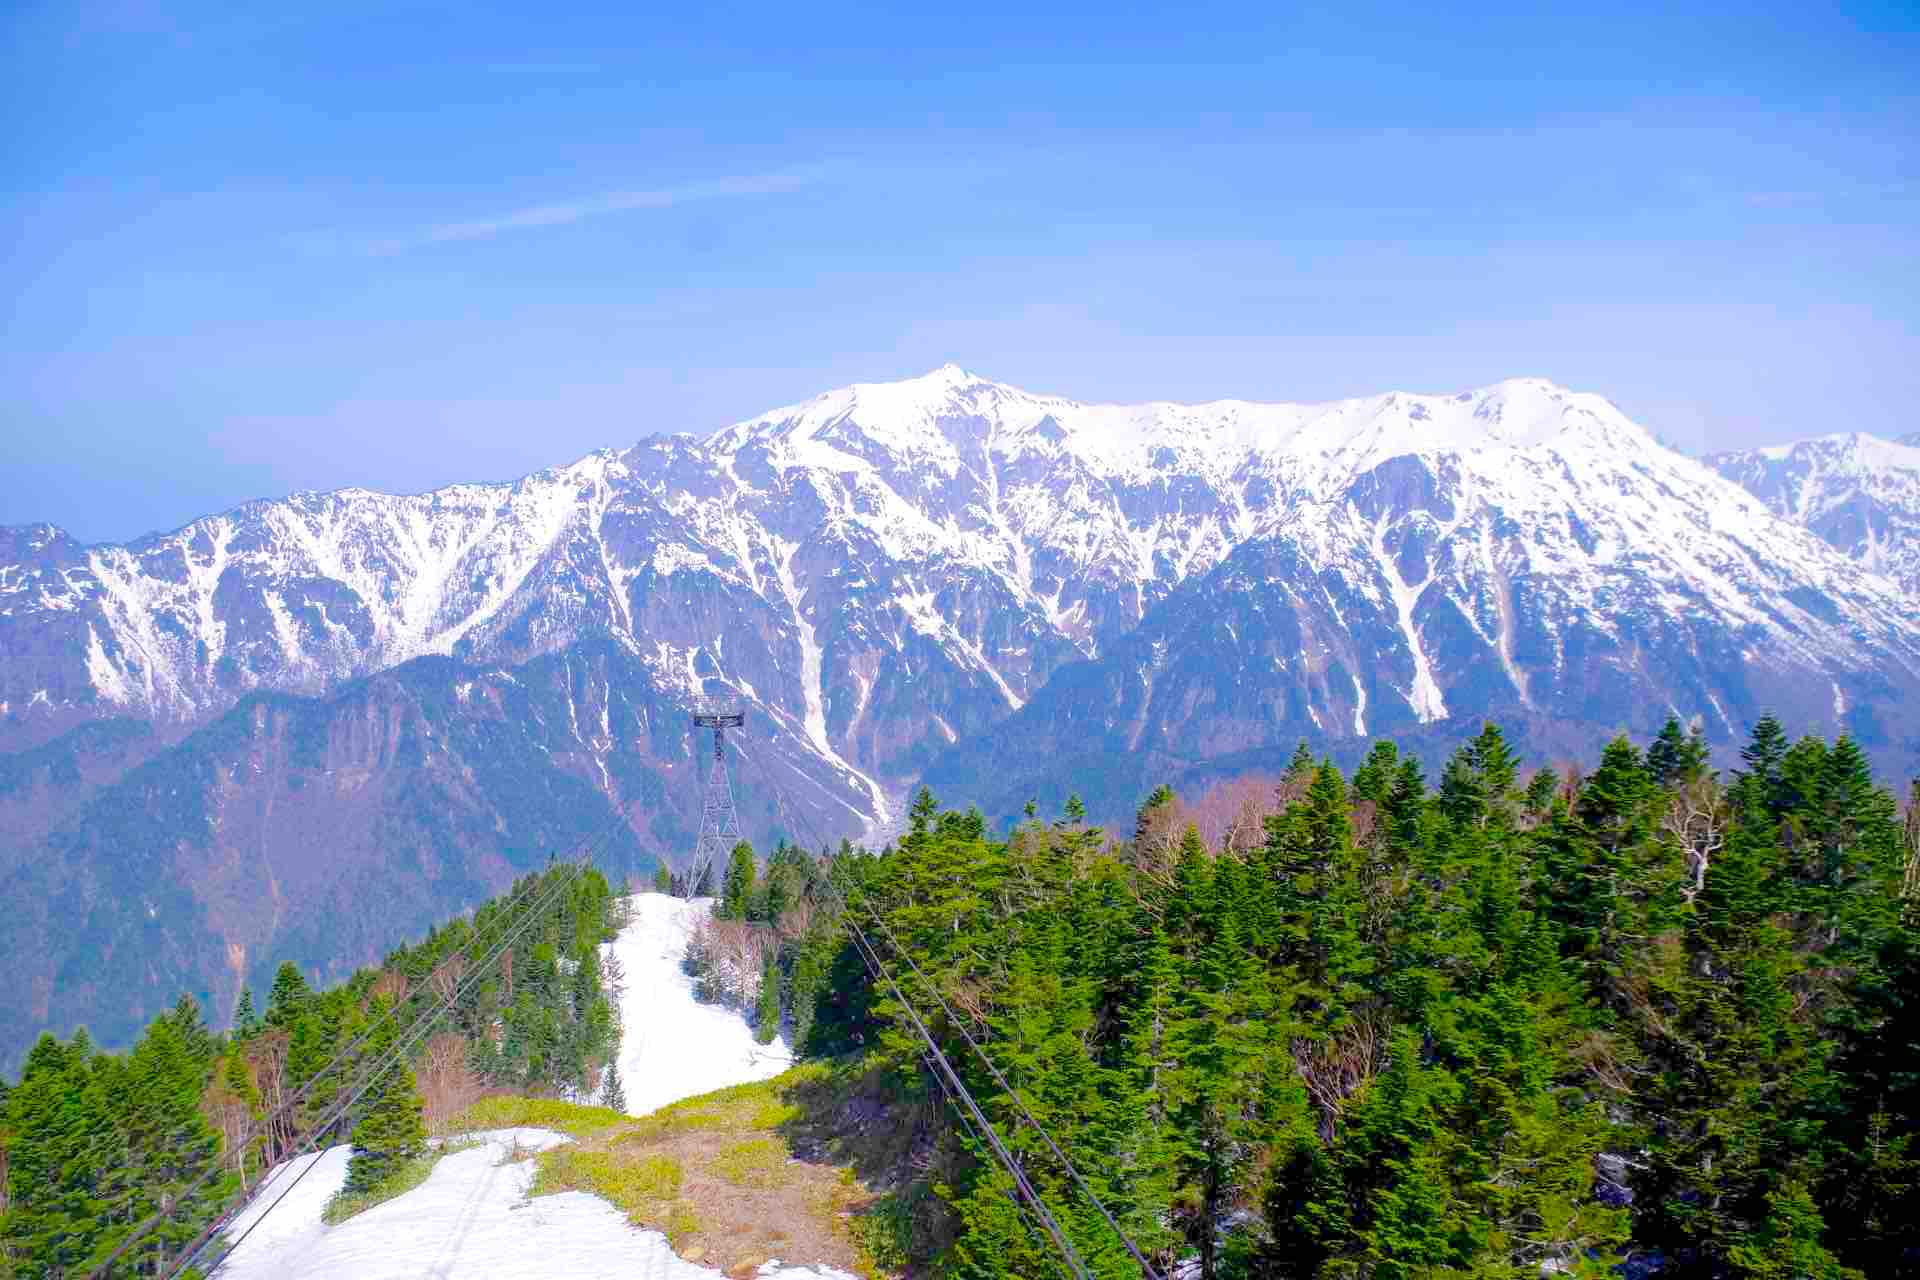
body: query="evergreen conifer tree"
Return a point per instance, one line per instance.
(766, 1018)
(392, 1132)
(1667, 753)
(288, 998)
(1301, 763)
(1763, 756)
(246, 1023)
(737, 892)
(613, 1093)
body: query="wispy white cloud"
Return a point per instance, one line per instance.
(569, 211)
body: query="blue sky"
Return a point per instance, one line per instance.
(400, 245)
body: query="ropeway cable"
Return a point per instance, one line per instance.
(288, 1106)
(870, 955)
(423, 1019)
(961, 1026)
(871, 960)
(395, 1053)
(392, 1056)
(1013, 1093)
(1053, 1146)
(1078, 1266)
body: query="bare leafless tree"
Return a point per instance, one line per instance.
(1334, 1069)
(731, 956)
(390, 984)
(268, 1055)
(1911, 885)
(1232, 816)
(231, 1114)
(448, 1084)
(1696, 820)
(1156, 841)
(797, 919)
(445, 980)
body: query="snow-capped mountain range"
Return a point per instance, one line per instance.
(1858, 492)
(215, 742)
(892, 567)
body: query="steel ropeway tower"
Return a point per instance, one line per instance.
(719, 821)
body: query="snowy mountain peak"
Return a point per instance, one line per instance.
(893, 559)
(949, 417)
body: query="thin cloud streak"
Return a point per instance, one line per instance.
(562, 214)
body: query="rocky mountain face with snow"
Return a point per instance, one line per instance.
(1859, 493)
(944, 579)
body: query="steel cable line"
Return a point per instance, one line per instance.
(1013, 1093)
(1053, 1146)
(288, 1106)
(870, 957)
(1077, 1265)
(397, 1052)
(871, 960)
(291, 1103)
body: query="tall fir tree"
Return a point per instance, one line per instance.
(766, 1017)
(737, 889)
(392, 1133)
(613, 1090)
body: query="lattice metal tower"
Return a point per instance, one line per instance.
(719, 823)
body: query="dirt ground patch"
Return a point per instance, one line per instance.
(733, 1178)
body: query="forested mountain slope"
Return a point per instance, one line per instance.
(129, 1156)
(1640, 1017)
(1505, 1024)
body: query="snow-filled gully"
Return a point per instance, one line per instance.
(1424, 695)
(810, 669)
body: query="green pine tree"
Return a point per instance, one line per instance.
(246, 1023)
(737, 892)
(766, 1017)
(288, 998)
(613, 1093)
(392, 1133)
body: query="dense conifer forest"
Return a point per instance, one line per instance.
(1646, 1018)
(92, 1143)
(1642, 1019)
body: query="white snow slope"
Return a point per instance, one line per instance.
(671, 1045)
(472, 1219)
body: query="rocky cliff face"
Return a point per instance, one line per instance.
(942, 579)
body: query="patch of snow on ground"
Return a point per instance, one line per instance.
(470, 1220)
(672, 1046)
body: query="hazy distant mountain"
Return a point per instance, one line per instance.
(1860, 493)
(944, 578)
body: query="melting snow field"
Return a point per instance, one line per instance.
(671, 1045)
(472, 1219)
